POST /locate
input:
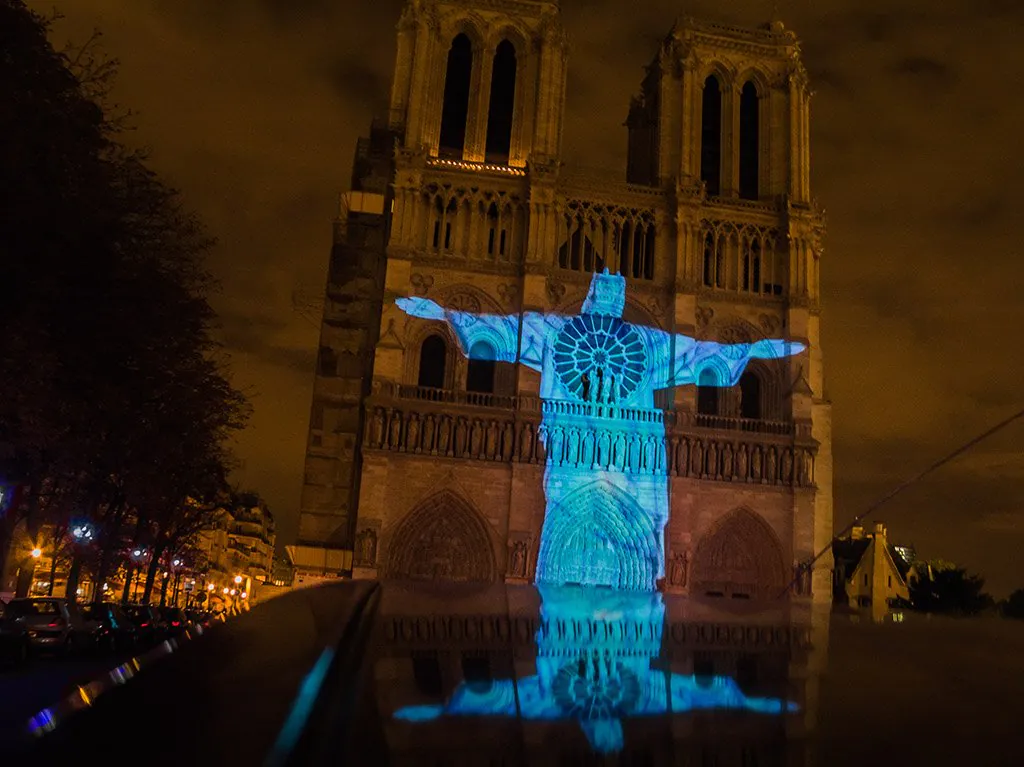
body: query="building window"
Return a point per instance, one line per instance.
(482, 366)
(749, 142)
(433, 359)
(455, 107)
(707, 393)
(890, 581)
(750, 396)
(502, 103)
(711, 136)
(865, 579)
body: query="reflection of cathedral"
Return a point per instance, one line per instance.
(428, 449)
(553, 675)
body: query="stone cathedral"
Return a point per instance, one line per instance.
(430, 444)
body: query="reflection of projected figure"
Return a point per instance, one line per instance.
(594, 665)
(605, 518)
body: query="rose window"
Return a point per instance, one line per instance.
(590, 348)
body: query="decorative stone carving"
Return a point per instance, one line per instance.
(678, 570)
(555, 290)
(365, 550)
(518, 559)
(704, 316)
(421, 283)
(509, 294)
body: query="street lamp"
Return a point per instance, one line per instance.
(37, 552)
(238, 579)
(82, 532)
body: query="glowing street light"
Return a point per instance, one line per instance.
(245, 595)
(82, 532)
(226, 589)
(210, 587)
(36, 553)
(233, 592)
(176, 563)
(238, 579)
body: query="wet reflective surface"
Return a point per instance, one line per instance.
(496, 675)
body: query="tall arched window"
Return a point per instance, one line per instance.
(707, 392)
(711, 136)
(482, 366)
(433, 359)
(502, 103)
(709, 260)
(750, 396)
(749, 142)
(455, 107)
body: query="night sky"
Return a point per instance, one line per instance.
(252, 108)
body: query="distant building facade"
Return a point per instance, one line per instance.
(240, 544)
(423, 464)
(869, 570)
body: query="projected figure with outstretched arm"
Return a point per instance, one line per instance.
(605, 484)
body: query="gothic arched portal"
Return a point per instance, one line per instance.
(442, 539)
(599, 536)
(739, 557)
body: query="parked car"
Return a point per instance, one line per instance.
(15, 644)
(116, 631)
(54, 624)
(149, 627)
(175, 619)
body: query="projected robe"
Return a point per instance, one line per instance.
(605, 485)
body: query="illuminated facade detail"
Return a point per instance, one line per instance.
(594, 666)
(606, 370)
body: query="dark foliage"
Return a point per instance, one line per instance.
(112, 402)
(948, 589)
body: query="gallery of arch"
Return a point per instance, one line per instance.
(475, 394)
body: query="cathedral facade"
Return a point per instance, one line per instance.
(427, 460)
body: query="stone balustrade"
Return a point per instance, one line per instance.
(603, 438)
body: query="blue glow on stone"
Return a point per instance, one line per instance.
(605, 517)
(594, 654)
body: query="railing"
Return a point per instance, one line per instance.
(570, 409)
(609, 444)
(752, 425)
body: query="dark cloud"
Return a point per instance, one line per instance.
(253, 108)
(930, 74)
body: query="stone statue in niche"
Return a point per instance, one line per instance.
(366, 548)
(787, 466)
(395, 431)
(377, 432)
(772, 468)
(518, 564)
(677, 573)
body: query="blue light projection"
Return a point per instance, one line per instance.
(594, 653)
(605, 486)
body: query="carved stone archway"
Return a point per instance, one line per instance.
(739, 557)
(442, 539)
(599, 536)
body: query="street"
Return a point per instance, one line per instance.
(26, 690)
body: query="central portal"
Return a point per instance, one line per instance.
(598, 536)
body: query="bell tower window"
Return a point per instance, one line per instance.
(711, 136)
(455, 107)
(482, 367)
(749, 142)
(707, 393)
(433, 359)
(501, 105)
